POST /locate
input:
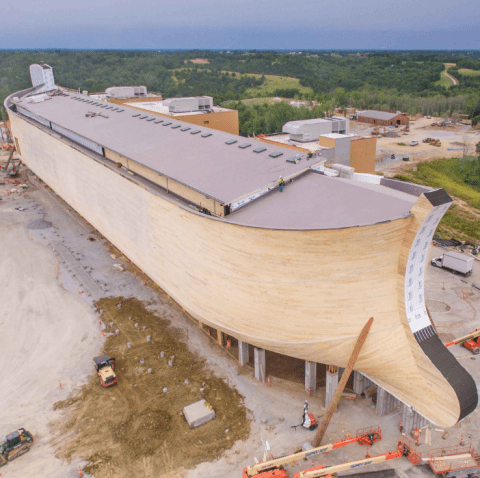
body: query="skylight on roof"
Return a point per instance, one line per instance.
(159, 121)
(259, 150)
(195, 131)
(115, 109)
(244, 145)
(143, 117)
(206, 135)
(151, 119)
(275, 154)
(138, 114)
(167, 124)
(231, 141)
(185, 129)
(175, 126)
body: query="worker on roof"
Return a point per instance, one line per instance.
(281, 183)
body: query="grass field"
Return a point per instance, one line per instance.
(468, 72)
(272, 83)
(462, 220)
(444, 79)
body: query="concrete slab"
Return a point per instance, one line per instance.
(198, 413)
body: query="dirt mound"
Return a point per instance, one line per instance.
(136, 428)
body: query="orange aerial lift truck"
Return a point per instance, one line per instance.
(404, 448)
(455, 461)
(469, 341)
(272, 469)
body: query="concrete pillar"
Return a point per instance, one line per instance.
(310, 376)
(382, 401)
(408, 420)
(260, 369)
(358, 383)
(220, 338)
(331, 384)
(243, 357)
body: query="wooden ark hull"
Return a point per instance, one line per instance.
(302, 293)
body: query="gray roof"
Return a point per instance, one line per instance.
(381, 115)
(315, 201)
(227, 172)
(223, 172)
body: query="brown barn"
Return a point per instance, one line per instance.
(382, 118)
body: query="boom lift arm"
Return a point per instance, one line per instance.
(473, 335)
(365, 436)
(404, 448)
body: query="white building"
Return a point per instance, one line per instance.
(42, 77)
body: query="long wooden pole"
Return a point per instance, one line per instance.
(341, 386)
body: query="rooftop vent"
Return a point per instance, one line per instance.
(138, 114)
(151, 119)
(206, 135)
(119, 111)
(275, 154)
(231, 141)
(143, 117)
(259, 150)
(185, 129)
(167, 124)
(195, 131)
(159, 121)
(175, 126)
(244, 145)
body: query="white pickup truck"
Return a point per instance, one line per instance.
(454, 262)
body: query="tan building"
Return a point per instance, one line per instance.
(214, 117)
(382, 118)
(358, 153)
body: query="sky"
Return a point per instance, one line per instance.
(240, 24)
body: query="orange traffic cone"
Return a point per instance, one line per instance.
(60, 385)
(368, 453)
(79, 471)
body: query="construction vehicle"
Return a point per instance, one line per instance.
(469, 341)
(8, 146)
(404, 448)
(414, 143)
(17, 444)
(427, 140)
(456, 461)
(365, 436)
(436, 142)
(105, 367)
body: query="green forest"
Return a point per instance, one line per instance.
(406, 81)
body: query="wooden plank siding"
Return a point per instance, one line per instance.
(305, 294)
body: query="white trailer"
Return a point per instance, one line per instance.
(455, 262)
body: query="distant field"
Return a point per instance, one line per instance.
(198, 61)
(444, 79)
(468, 72)
(272, 83)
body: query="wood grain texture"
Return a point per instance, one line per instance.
(305, 294)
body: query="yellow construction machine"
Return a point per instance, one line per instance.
(17, 443)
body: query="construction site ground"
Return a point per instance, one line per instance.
(457, 141)
(54, 268)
